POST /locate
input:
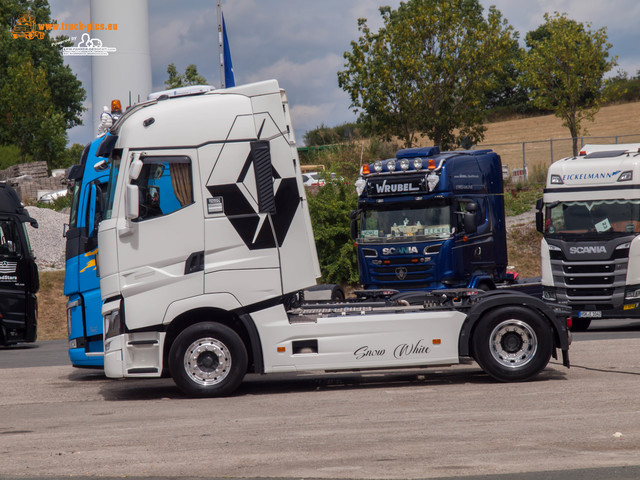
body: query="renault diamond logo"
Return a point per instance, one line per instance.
(401, 273)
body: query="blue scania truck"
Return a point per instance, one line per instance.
(81, 283)
(430, 220)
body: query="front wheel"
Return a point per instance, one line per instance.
(208, 360)
(512, 344)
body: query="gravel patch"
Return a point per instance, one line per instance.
(47, 241)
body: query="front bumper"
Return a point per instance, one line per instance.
(129, 354)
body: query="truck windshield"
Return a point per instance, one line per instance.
(595, 217)
(113, 179)
(411, 223)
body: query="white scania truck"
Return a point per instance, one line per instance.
(590, 218)
(206, 243)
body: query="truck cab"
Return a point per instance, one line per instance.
(431, 220)
(19, 280)
(82, 282)
(590, 218)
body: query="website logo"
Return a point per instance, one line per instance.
(88, 47)
(25, 27)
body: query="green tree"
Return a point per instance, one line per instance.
(65, 90)
(428, 70)
(190, 77)
(564, 70)
(28, 117)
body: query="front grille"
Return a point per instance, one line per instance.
(589, 282)
(574, 269)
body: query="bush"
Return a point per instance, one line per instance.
(329, 209)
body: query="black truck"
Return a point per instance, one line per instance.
(19, 280)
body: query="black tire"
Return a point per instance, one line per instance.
(512, 344)
(337, 295)
(208, 360)
(580, 324)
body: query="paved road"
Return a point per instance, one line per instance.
(582, 423)
(54, 353)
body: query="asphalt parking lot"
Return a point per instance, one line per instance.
(436, 423)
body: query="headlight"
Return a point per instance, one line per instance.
(377, 166)
(404, 164)
(556, 180)
(112, 324)
(391, 165)
(417, 163)
(632, 294)
(548, 294)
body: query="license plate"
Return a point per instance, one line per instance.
(590, 314)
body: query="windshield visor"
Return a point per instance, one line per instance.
(595, 217)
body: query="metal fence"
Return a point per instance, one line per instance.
(539, 154)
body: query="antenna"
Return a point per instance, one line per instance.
(220, 44)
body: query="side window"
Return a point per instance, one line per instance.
(165, 185)
(9, 243)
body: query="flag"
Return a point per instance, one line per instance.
(229, 80)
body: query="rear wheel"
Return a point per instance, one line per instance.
(208, 360)
(512, 344)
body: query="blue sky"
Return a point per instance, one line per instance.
(301, 43)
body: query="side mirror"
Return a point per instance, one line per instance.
(135, 169)
(470, 224)
(132, 202)
(539, 217)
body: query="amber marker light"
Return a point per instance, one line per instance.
(116, 106)
(282, 349)
(365, 170)
(432, 164)
(437, 341)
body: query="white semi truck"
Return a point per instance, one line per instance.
(590, 218)
(207, 242)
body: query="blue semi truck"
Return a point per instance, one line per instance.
(430, 220)
(81, 282)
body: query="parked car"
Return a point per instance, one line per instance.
(312, 179)
(51, 196)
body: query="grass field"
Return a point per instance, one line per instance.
(611, 121)
(52, 306)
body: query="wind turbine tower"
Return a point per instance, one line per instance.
(126, 73)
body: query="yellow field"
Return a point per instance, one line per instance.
(611, 121)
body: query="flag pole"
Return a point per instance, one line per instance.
(220, 44)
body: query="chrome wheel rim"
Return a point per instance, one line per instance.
(207, 361)
(513, 343)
